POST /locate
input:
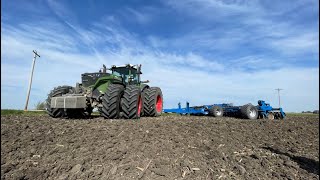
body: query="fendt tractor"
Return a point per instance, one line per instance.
(119, 94)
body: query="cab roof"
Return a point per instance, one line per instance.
(126, 66)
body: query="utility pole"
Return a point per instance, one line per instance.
(279, 95)
(30, 81)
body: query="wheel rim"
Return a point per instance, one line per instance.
(139, 106)
(271, 116)
(252, 113)
(159, 104)
(218, 112)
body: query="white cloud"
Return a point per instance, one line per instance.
(254, 23)
(297, 44)
(140, 17)
(61, 11)
(214, 9)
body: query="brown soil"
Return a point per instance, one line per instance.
(167, 147)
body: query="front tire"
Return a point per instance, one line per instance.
(58, 91)
(111, 102)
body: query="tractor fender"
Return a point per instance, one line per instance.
(103, 82)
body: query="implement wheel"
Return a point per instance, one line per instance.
(249, 111)
(271, 116)
(153, 102)
(216, 111)
(111, 102)
(131, 102)
(58, 91)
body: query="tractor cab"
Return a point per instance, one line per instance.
(130, 74)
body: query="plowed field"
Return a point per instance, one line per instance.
(167, 147)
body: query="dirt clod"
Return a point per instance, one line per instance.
(76, 169)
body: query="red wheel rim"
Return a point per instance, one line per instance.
(139, 105)
(159, 104)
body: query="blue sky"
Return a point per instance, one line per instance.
(204, 51)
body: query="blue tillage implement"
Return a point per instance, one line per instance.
(262, 111)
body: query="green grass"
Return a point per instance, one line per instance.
(95, 113)
(20, 112)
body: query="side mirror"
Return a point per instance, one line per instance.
(145, 81)
(104, 69)
(139, 69)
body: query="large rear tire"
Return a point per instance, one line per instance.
(131, 102)
(216, 111)
(153, 102)
(58, 91)
(249, 111)
(111, 102)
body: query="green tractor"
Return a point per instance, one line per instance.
(119, 94)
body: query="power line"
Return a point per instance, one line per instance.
(278, 89)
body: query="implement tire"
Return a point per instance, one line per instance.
(153, 102)
(111, 102)
(131, 102)
(216, 111)
(249, 111)
(58, 91)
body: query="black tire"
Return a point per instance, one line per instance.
(249, 111)
(216, 111)
(131, 102)
(111, 102)
(58, 91)
(281, 116)
(153, 102)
